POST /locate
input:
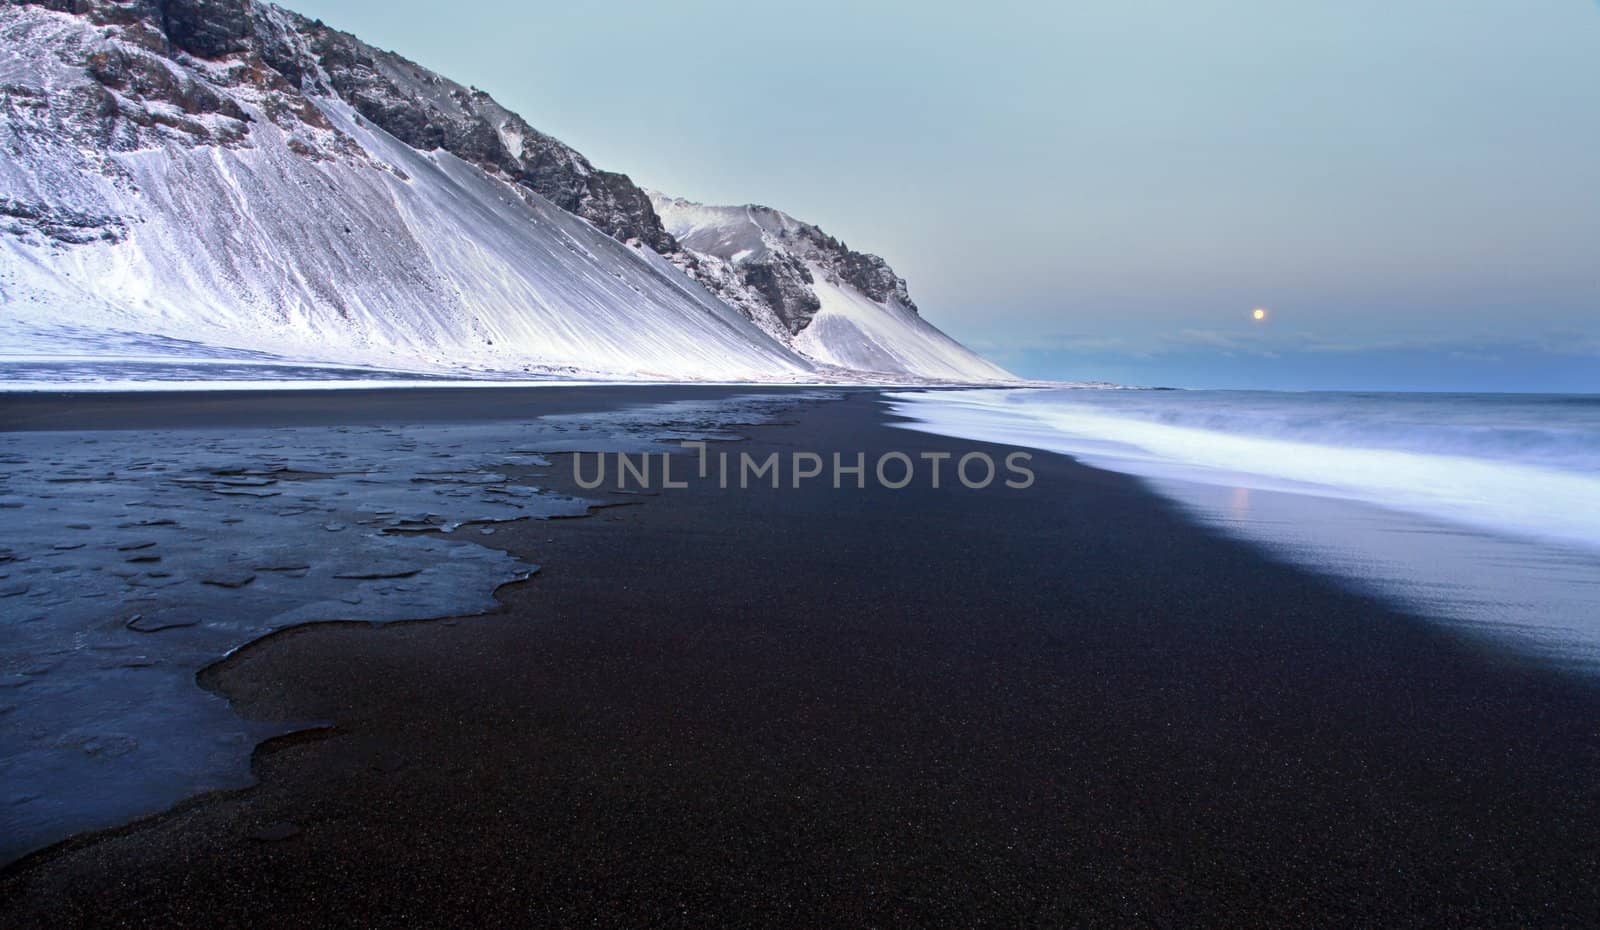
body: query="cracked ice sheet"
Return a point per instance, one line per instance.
(131, 560)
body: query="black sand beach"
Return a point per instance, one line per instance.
(1059, 706)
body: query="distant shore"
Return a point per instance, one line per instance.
(1065, 704)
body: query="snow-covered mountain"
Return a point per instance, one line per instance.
(811, 292)
(225, 173)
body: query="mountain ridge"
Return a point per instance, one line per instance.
(287, 122)
(811, 291)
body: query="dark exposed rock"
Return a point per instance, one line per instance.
(296, 58)
(207, 28)
(141, 76)
(59, 6)
(213, 72)
(765, 262)
(428, 112)
(59, 224)
(784, 282)
(869, 274)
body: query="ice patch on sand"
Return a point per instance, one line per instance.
(129, 560)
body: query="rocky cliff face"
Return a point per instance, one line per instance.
(427, 112)
(155, 202)
(287, 57)
(763, 259)
(811, 291)
(115, 114)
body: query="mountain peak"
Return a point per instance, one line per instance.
(228, 173)
(812, 292)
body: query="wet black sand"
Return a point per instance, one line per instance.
(337, 407)
(1064, 706)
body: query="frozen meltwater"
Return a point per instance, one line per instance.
(130, 560)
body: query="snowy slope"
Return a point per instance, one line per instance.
(838, 307)
(852, 331)
(351, 247)
(229, 180)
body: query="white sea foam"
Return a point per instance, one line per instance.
(1479, 508)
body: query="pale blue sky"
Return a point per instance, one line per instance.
(1104, 190)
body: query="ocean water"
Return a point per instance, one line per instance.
(1481, 510)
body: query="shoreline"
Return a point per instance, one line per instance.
(1415, 507)
(133, 557)
(385, 404)
(1072, 703)
(140, 556)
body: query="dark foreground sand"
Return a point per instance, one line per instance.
(1064, 706)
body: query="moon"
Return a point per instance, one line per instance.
(1258, 314)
